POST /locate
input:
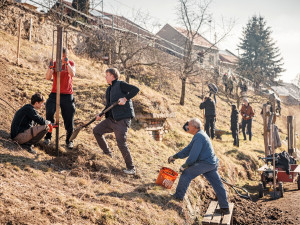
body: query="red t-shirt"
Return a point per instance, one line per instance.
(66, 81)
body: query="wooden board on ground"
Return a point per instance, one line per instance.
(211, 217)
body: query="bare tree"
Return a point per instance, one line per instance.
(193, 15)
(132, 52)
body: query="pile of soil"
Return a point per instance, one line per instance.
(248, 212)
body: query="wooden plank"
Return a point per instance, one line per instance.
(217, 217)
(210, 212)
(227, 218)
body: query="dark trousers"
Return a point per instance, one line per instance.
(247, 123)
(235, 135)
(210, 126)
(120, 129)
(67, 106)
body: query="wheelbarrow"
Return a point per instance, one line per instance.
(281, 176)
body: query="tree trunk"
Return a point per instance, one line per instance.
(127, 75)
(183, 83)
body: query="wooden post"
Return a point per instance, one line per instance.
(272, 149)
(19, 40)
(58, 70)
(266, 136)
(29, 38)
(291, 125)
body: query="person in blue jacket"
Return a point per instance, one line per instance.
(201, 160)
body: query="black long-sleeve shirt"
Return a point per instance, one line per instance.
(130, 89)
(209, 106)
(25, 118)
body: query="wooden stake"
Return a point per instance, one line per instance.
(19, 41)
(58, 70)
(29, 38)
(291, 134)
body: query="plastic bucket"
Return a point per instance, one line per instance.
(166, 177)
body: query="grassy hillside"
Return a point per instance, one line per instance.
(83, 186)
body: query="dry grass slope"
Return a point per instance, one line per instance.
(84, 186)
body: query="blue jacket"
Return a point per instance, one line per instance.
(200, 149)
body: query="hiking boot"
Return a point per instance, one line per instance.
(29, 148)
(130, 171)
(223, 211)
(70, 145)
(47, 141)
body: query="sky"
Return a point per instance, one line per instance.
(283, 16)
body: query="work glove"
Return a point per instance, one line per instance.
(50, 128)
(171, 159)
(51, 65)
(181, 169)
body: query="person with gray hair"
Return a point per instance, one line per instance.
(201, 160)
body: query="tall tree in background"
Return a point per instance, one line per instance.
(260, 60)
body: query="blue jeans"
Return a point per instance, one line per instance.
(210, 172)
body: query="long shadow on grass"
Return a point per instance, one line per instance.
(23, 162)
(163, 201)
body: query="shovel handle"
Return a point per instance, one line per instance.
(102, 113)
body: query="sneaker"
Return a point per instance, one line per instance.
(130, 171)
(70, 145)
(29, 148)
(109, 154)
(47, 141)
(173, 196)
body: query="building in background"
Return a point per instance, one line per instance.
(173, 41)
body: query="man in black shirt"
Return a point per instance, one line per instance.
(24, 129)
(210, 116)
(118, 119)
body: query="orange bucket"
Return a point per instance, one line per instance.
(166, 177)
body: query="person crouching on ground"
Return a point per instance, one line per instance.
(24, 129)
(234, 127)
(247, 114)
(201, 160)
(118, 119)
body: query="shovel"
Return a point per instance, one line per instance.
(78, 129)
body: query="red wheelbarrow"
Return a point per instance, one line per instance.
(281, 176)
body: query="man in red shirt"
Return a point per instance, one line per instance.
(67, 103)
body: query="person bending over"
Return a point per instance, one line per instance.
(201, 160)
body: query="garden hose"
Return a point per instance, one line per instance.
(247, 196)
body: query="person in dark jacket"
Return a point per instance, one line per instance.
(201, 159)
(23, 127)
(234, 127)
(118, 119)
(247, 114)
(210, 116)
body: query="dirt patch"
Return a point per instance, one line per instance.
(248, 212)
